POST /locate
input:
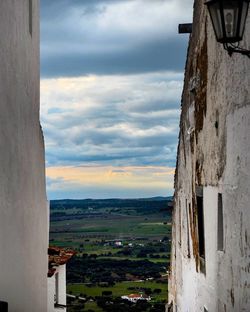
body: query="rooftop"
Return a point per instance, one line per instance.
(134, 296)
(58, 256)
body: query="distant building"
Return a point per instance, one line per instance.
(23, 204)
(211, 217)
(135, 297)
(58, 258)
(118, 243)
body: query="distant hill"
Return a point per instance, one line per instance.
(81, 203)
(141, 206)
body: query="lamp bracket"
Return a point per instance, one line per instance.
(232, 48)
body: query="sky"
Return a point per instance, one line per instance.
(111, 83)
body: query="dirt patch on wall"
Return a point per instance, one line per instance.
(198, 171)
(201, 91)
(193, 231)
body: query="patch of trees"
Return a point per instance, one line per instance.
(121, 305)
(141, 206)
(81, 269)
(146, 251)
(148, 291)
(118, 304)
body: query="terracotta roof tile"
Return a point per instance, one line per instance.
(58, 256)
(134, 296)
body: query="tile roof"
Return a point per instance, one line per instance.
(134, 296)
(58, 256)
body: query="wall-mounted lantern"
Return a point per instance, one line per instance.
(229, 19)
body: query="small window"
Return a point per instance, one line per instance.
(200, 214)
(187, 219)
(217, 123)
(30, 16)
(56, 298)
(220, 234)
(180, 239)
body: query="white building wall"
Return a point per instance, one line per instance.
(23, 220)
(62, 284)
(51, 293)
(198, 289)
(61, 271)
(214, 153)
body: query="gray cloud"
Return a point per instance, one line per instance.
(111, 37)
(152, 56)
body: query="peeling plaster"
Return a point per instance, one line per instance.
(213, 153)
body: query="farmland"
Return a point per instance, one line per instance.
(123, 247)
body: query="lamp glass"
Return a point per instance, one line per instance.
(243, 18)
(228, 18)
(216, 17)
(231, 15)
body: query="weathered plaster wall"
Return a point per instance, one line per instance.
(23, 208)
(62, 284)
(51, 293)
(213, 152)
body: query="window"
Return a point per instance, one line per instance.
(3, 306)
(220, 233)
(56, 299)
(180, 222)
(187, 218)
(200, 215)
(217, 122)
(30, 16)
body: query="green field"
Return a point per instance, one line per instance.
(120, 289)
(104, 235)
(73, 233)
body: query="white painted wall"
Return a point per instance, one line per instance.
(197, 289)
(23, 210)
(218, 160)
(51, 293)
(61, 271)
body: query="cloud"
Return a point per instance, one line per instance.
(80, 182)
(122, 120)
(112, 75)
(112, 37)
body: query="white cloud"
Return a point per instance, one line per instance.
(121, 119)
(108, 181)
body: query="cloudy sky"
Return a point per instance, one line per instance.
(111, 82)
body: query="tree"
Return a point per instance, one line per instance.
(157, 291)
(148, 291)
(107, 293)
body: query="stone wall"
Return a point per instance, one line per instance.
(213, 157)
(23, 207)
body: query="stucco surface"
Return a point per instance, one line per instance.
(23, 208)
(214, 153)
